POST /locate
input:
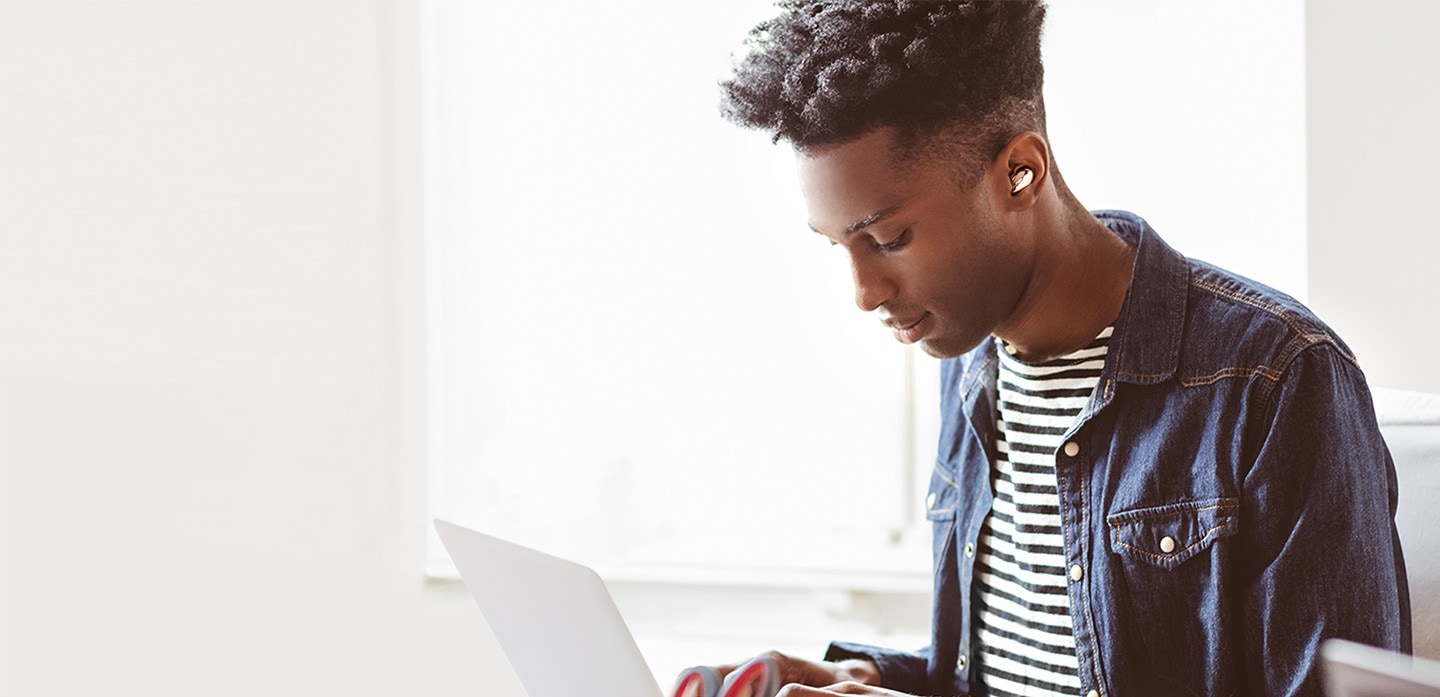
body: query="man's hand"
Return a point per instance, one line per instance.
(844, 688)
(802, 672)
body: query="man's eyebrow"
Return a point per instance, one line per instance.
(867, 221)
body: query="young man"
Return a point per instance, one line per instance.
(1154, 477)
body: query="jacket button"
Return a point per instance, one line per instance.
(930, 501)
(1167, 544)
(960, 662)
(1072, 449)
(1076, 573)
(969, 549)
(1093, 693)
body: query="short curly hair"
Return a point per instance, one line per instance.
(958, 78)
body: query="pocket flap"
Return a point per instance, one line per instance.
(1168, 535)
(940, 500)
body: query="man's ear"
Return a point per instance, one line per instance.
(1021, 171)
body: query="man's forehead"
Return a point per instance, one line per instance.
(853, 184)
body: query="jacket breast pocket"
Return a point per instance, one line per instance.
(940, 503)
(1168, 536)
(1170, 597)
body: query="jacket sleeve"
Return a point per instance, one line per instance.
(902, 671)
(1320, 505)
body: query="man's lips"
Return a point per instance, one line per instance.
(909, 330)
(902, 323)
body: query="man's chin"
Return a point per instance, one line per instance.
(945, 347)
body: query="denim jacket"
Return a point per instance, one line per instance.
(1226, 499)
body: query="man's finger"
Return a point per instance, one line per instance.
(798, 690)
(850, 687)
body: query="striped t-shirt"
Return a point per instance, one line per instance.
(1023, 634)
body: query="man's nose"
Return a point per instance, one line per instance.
(873, 287)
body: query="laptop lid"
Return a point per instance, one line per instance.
(554, 618)
(1356, 670)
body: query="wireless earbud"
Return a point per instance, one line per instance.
(1020, 179)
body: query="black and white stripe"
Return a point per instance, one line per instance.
(1024, 638)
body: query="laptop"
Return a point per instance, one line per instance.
(554, 618)
(1357, 670)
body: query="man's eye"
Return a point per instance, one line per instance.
(894, 244)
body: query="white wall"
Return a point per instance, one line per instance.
(1192, 115)
(1374, 102)
(211, 478)
(208, 216)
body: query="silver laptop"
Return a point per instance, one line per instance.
(554, 618)
(1356, 670)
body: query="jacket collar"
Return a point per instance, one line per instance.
(1145, 346)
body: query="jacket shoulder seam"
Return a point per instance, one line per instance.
(1267, 307)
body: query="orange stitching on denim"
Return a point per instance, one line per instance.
(1271, 308)
(1172, 555)
(1167, 514)
(1222, 291)
(938, 565)
(941, 472)
(1264, 371)
(974, 371)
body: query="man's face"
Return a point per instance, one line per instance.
(934, 261)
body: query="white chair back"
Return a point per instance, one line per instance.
(1410, 423)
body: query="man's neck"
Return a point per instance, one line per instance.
(1078, 287)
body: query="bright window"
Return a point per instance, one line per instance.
(640, 356)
